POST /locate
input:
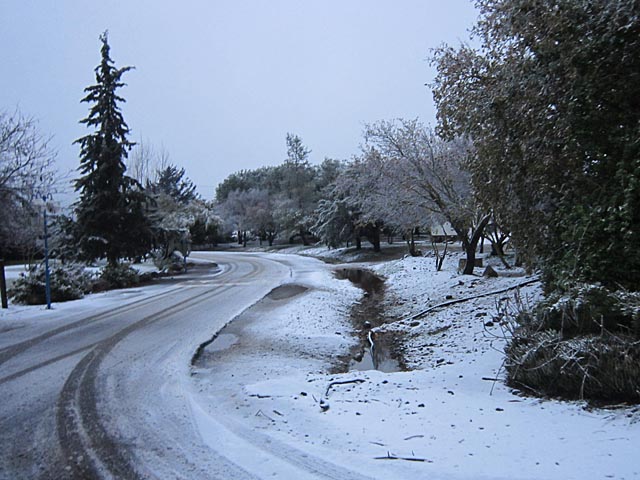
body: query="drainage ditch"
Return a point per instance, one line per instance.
(377, 351)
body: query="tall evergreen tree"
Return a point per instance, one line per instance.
(111, 219)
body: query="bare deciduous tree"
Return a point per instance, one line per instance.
(26, 176)
(428, 174)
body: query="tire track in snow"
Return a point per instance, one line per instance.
(13, 350)
(46, 363)
(87, 448)
(7, 353)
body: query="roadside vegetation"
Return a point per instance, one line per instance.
(535, 152)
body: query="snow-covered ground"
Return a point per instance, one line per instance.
(269, 379)
(265, 394)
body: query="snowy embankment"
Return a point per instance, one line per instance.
(265, 381)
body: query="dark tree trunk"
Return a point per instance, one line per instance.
(411, 243)
(358, 242)
(303, 237)
(375, 239)
(471, 244)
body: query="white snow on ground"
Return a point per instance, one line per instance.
(266, 386)
(270, 382)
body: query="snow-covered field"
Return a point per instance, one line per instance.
(268, 378)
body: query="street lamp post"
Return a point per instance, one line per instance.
(3, 286)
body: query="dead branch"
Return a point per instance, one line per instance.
(342, 382)
(408, 459)
(466, 299)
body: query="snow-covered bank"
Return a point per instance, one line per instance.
(271, 387)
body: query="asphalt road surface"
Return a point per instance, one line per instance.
(97, 391)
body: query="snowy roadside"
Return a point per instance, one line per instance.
(269, 379)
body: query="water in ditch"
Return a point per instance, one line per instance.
(377, 351)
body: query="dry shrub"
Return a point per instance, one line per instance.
(594, 367)
(583, 344)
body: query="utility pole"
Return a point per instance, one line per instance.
(47, 277)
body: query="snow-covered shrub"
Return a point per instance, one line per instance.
(584, 343)
(172, 262)
(589, 308)
(67, 282)
(120, 276)
(595, 367)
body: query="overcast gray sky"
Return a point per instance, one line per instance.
(218, 84)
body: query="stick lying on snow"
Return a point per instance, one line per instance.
(408, 459)
(342, 382)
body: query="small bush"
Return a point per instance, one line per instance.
(120, 276)
(594, 367)
(581, 344)
(173, 262)
(590, 308)
(67, 282)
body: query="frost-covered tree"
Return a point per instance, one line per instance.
(279, 200)
(171, 181)
(175, 208)
(427, 174)
(298, 190)
(236, 212)
(261, 216)
(111, 221)
(172, 222)
(26, 176)
(359, 188)
(334, 218)
(551, 100)
(334, 222)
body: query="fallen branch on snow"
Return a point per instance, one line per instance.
(466, 299)
(342, 382)
(408, 459)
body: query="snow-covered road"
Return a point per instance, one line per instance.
(98, 387)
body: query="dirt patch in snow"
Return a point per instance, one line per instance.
(284, 292)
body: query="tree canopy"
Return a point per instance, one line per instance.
(551, 101)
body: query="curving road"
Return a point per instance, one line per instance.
(98, 391)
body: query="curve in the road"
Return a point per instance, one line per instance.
(85, 443)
